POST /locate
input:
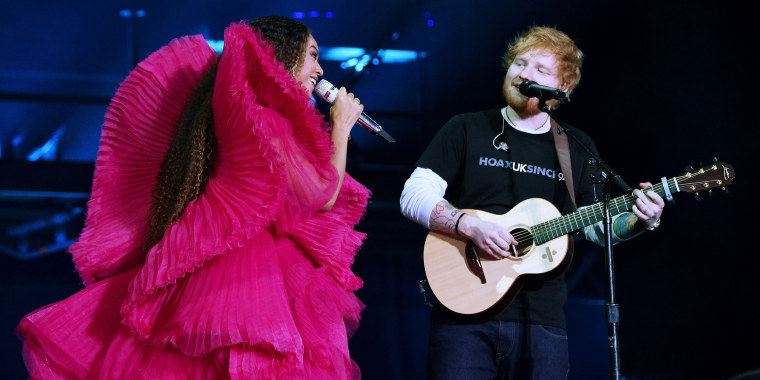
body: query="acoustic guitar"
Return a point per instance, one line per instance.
(467, 283)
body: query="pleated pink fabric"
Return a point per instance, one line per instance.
(253, 281)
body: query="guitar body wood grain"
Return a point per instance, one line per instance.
(461, 291)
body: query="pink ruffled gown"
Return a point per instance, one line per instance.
(253, 281)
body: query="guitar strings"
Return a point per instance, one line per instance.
(562, 225)
(548, 230)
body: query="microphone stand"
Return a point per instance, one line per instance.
(613, 315)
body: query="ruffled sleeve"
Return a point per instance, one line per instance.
(256, 94)
(271, 171)
(259, 155)
(138, 127)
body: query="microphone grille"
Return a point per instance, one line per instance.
(525, 85)
(326, 90)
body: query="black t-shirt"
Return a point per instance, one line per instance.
(479, 176)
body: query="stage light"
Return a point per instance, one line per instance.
(429, 18)
(339, 53)
(127, 13)
(352, 56)
(217, 45)
(48, 150)
(397, 56)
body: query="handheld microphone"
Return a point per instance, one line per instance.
(532, 89)
(328, 92)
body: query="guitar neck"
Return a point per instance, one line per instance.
(572, 222)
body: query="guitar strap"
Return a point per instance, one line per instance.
(563, 153)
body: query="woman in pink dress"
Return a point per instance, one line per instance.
(220, 233)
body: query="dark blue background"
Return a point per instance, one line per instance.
(665, 84)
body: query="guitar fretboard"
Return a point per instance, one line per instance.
(566, 224)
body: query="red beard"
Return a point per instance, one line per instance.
(519, 102)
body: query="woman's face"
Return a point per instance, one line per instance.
(310, 70)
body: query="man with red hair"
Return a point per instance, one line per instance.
(492, 160)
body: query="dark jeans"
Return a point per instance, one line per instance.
(497, 350)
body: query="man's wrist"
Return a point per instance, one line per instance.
(456, 226)
(653, 226)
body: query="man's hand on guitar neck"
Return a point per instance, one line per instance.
(647, 207)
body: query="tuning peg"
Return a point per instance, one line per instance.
(715, 160)
(725, 190)
(698, 196)
(689, 167)
(709, 193)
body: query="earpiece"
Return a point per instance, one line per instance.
(502, 145)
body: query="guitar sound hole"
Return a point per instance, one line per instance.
(524, 242)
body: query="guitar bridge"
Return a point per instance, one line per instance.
(473, 261)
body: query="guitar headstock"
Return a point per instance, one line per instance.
(716, 175)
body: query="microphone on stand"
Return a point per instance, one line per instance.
(328, 92)
(532, 89)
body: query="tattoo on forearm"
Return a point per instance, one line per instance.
(444, 217)
(624, 226)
